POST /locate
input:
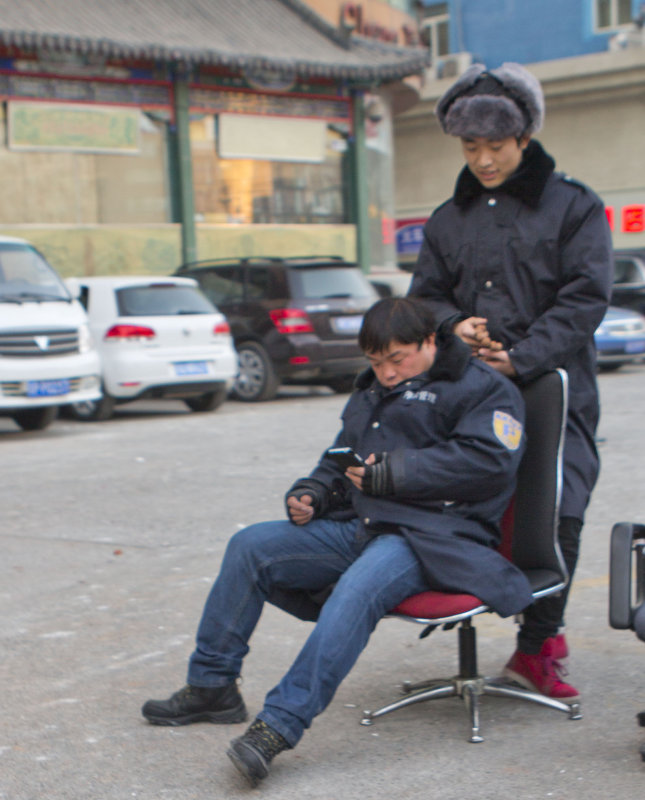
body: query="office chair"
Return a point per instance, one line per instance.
(627, 584)
(529, 539)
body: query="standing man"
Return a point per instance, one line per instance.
(518, 264)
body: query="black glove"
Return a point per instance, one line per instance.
(378, 477)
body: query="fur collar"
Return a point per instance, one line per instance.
(526, 183)
(452, 358)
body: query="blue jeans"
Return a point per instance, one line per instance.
(372, 575)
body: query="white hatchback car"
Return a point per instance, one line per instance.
(157, 337)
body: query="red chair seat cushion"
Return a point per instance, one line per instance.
(436, 605)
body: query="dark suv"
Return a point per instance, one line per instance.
(293, 320)
(629, 279)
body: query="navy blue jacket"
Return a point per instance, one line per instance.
(534, 258)
(454, 436)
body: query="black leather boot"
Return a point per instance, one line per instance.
(223, 704)
(252, 753)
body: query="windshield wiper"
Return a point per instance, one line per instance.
(10, 298)
(39, 298)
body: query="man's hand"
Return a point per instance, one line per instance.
(355, 474)
(499, 360)
(300, 510)
(474, 332)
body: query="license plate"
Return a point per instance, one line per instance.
(635, 347)
(191, 368)
(347, 324)
(47, 388)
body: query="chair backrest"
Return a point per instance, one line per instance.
(535, 548)
(627, 577)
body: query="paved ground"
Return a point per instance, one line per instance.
(111, 534)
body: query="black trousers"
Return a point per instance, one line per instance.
(543, 619)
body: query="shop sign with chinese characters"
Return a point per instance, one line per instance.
(629, 219)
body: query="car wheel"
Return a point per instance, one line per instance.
(343, 384)
(256, 379)
(207, 402)
(36, 419)
(93, 410)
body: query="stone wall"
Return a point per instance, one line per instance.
(156, 249)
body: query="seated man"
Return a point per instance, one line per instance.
(441, 434)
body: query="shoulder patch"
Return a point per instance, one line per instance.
(507, 430)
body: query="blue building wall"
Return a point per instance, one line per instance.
(525, 31)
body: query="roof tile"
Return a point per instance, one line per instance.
(284, 34)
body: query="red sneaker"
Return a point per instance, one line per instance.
(560, 654)
(541, 673)
(560, 647)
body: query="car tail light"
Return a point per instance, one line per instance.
(291, 320)
(130, 332)
(222, 327)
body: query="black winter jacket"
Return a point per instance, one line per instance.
(454, 436)
(534, 257)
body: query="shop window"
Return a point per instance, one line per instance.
(611, 14)
(256, 190)
(435, 30)
(75, 187)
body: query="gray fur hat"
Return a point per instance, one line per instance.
(507, 101)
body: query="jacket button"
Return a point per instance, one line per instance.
(492, 201)
(488, 285)
(366, 521)
(376, 424)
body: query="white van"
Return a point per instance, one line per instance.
(46, 356)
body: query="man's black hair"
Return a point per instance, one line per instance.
(407, 320)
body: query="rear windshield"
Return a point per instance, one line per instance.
(626, 271)
(331, 282)
(25, 276)
(161, 300)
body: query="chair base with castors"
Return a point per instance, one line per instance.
(470, 686)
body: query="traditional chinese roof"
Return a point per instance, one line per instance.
(281, 35)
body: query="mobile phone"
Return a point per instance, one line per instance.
(345, 457)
